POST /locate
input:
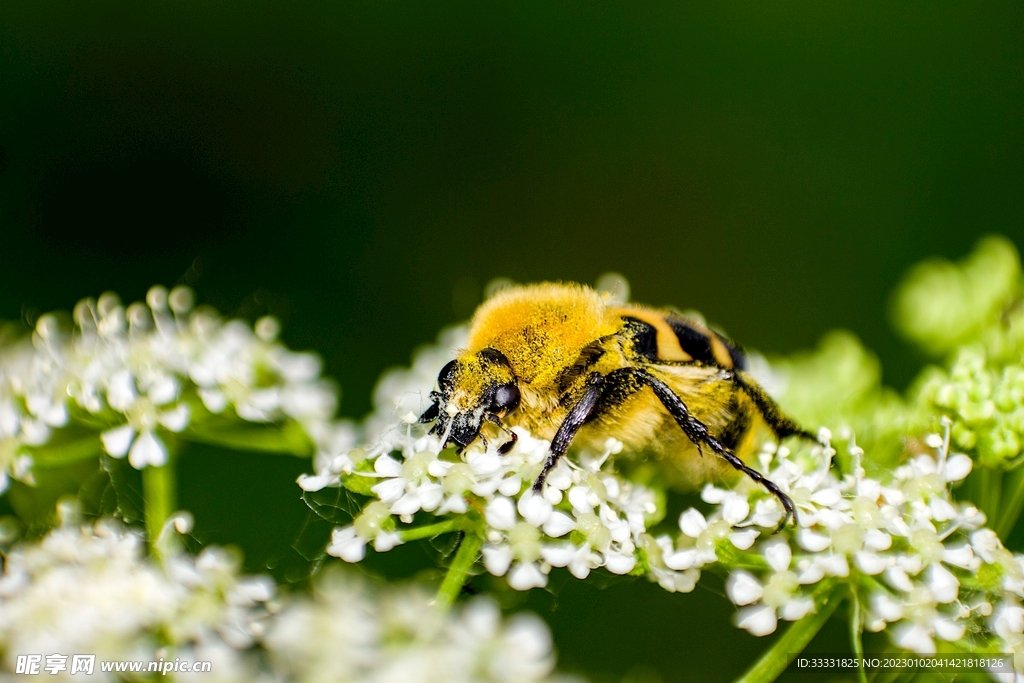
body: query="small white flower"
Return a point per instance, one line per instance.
(959, 556)
(526, 575)
(534, 509)
(579, 560)
(385, 541)
(948, 629)
(742, 588)
(744, 539)
(957, 467)
(870, 563)
(758, 621)
(778, 555)
(796, 608)
(501, 513)
(944, 586)
(914, 637)
(735, 507)
(986, 544)
(885, 607)
(145, 450)
(877, 540)
(812, 541)
(898, 578)
(559, 524)
(347, 545)
(833, 565)
(767, 513)
(692, 523)
(677, 582)
(497, 559)
(619, 562)
(1008, 621)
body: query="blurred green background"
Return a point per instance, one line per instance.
(363, 169)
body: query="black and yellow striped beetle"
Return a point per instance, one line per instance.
(567, 364)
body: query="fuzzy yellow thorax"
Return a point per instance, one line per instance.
(540, 328)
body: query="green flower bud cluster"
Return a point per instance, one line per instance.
(985, 402)
(972, 312)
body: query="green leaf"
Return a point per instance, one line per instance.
(67, 446)
(941, 305)
(356, 482)
(124, 495)
(288, 438)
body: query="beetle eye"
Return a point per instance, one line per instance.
(447, 375)
(506, 397)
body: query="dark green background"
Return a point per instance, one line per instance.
(363, 169)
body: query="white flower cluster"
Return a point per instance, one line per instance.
(31, 406)
(400, 397)
(348, 634)
(913, 554)
(90, 590)
(1002, 573)
(585, 519)
(158, 367)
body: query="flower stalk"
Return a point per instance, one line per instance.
(856, 639)
(431, 530)
(775, 660)
(459, 571)
(159, 494)
(1013, 483)
(989, 492)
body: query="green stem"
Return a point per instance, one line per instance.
(855, 635)
(773, 662)
(431, 530)
(158, 491)
(1014, 485)
(990, 488)
(458, 572)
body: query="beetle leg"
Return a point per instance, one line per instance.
(781, 425)
(576, 418)
(432, 413)
(698, 433)
(506, 447)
